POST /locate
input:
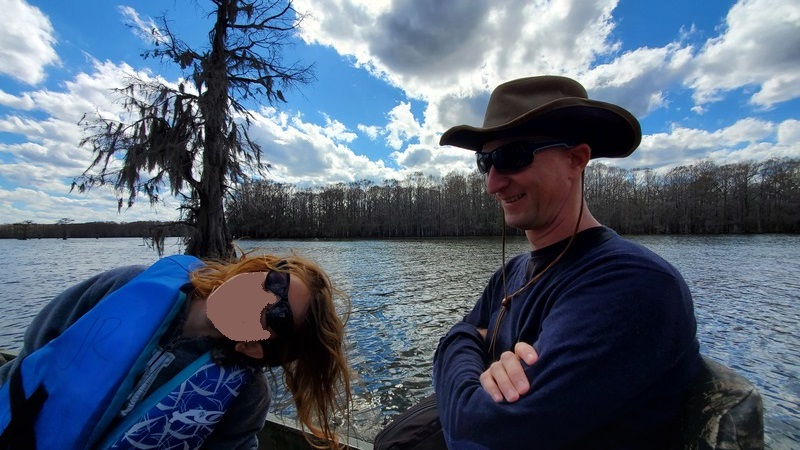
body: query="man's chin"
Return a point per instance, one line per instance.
(516, 221)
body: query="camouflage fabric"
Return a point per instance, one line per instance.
(724, 412)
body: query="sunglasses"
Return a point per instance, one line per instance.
(514, 155)
(278, 316)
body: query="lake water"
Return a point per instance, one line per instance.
(407, 293)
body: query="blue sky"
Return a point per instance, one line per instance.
(716, 79)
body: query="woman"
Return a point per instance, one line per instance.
(162, 358)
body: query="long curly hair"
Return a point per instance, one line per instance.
(315, 368)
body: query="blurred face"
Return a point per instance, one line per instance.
(244, 307)
(535, 197)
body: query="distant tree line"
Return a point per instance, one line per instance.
(64, 229)
(703, 198)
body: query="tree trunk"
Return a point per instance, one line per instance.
(211, 238)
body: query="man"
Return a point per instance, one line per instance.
(587, 342)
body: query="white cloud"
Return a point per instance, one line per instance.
(22, 204)
(746, 140)
(760, 48)
(789, 134)
(27, 42)
(637, 80)
(308, 154)
(337, 131)
(20, 125)
(402, 126)
(744, 131)
(371, 131)
(145, 29)
(435, 161)
(437, 49)
(23, 102)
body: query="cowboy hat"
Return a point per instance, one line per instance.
(551, 106)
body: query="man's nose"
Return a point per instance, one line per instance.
(495, 181)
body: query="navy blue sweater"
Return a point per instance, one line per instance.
(614, 327)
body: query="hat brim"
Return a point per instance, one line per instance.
(611, 131)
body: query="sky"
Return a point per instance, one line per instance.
(711, 80)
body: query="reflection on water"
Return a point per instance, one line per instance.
(407, 293)
(746, 291)
(33, 271)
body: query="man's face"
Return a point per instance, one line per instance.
(535, 196)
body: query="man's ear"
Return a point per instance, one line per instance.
(580, 154)
(252, 349)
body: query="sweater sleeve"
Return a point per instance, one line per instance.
(66, 308)
(604, 343)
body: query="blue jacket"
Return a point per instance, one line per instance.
(97, 360)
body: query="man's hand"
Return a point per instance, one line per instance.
(506, 379)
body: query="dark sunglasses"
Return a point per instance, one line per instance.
(514, 155)
(278, 316)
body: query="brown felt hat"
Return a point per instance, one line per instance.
(551, 106)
